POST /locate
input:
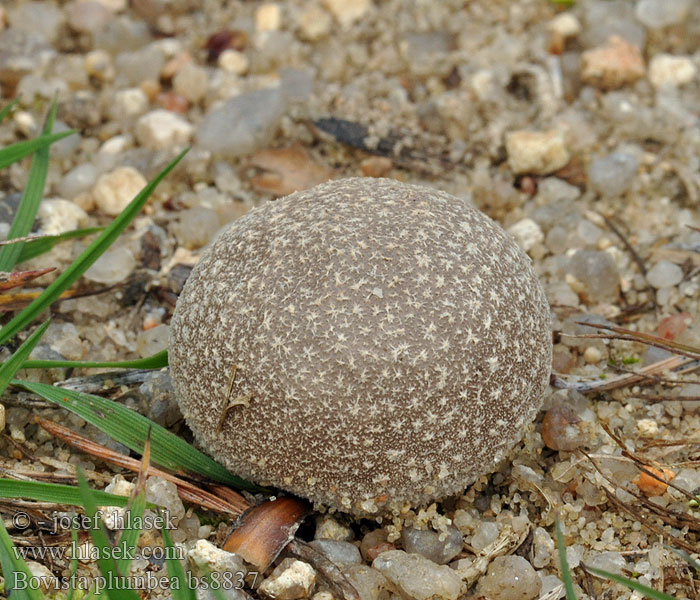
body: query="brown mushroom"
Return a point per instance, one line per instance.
(364, 344)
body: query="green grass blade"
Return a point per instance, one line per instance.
(685, 556)
(14, 363)
(33, 193)
(86, 259)
(130, 537)
(106, 563)
(55, 492)
(156, 361)
(631, 584)
(73, 565)
(6, 111)
(564, 563)
(131, 429)
(175, 570)
(16, 152)
(14, 566)
(41, 245)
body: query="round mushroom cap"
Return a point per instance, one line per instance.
(364, 344)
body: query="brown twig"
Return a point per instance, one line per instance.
(186, 490)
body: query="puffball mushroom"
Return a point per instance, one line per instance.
(366, 344)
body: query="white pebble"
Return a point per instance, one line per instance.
(510, 578)
(206, 555)
(268, 17)
(592, 355)
(161, 129)
(2, 417)
(565, 24)
(670, 70)
(647, 427)
(191, 81)
(128, 103)
(113, 191)
(112, 267)
(418, 578)
(536, 152)
(314, 23)
(347, 12)
(664, 274)
(58, 215)
(527, 233)
(233, 61)
(291, 579)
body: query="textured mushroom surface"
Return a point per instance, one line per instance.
(388, 345)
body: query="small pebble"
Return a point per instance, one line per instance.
(417, 578)
(37, 17)
(485, 534)
(242, 124)
(206, 555)
(565, 24)
(128, 103)
(543, 548)
(327, 528)
(510, 578)
(527, 233)
(113, 266)
(58, 216)
(656, 14)
(152, 340)
(164, 493)
(376, 166)
(536, 152)
(374, 543)
(592, 355)
(233, 61)
(78, 180)
(613, 65)
(439, 547)
(341, 554)
(674, 325)
(613, 562)
(650, 486)
(2, 418)
(614, 174)
(597, 272)
(664, 274)
(113, 191)
(139, 65)
(161, 129)
(347, 12)
(672, 71)
(192, 82)
(369, 583)
(196, 227)
(291, 579)
(314, 23)
(86, 16)
(268, 17)
(560, 428)
(99, 64)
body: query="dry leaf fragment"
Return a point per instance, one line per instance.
(10, 280)
(287, 170)
(264, 530)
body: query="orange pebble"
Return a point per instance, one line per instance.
(653, 487)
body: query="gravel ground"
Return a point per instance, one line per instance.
(576, 127)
